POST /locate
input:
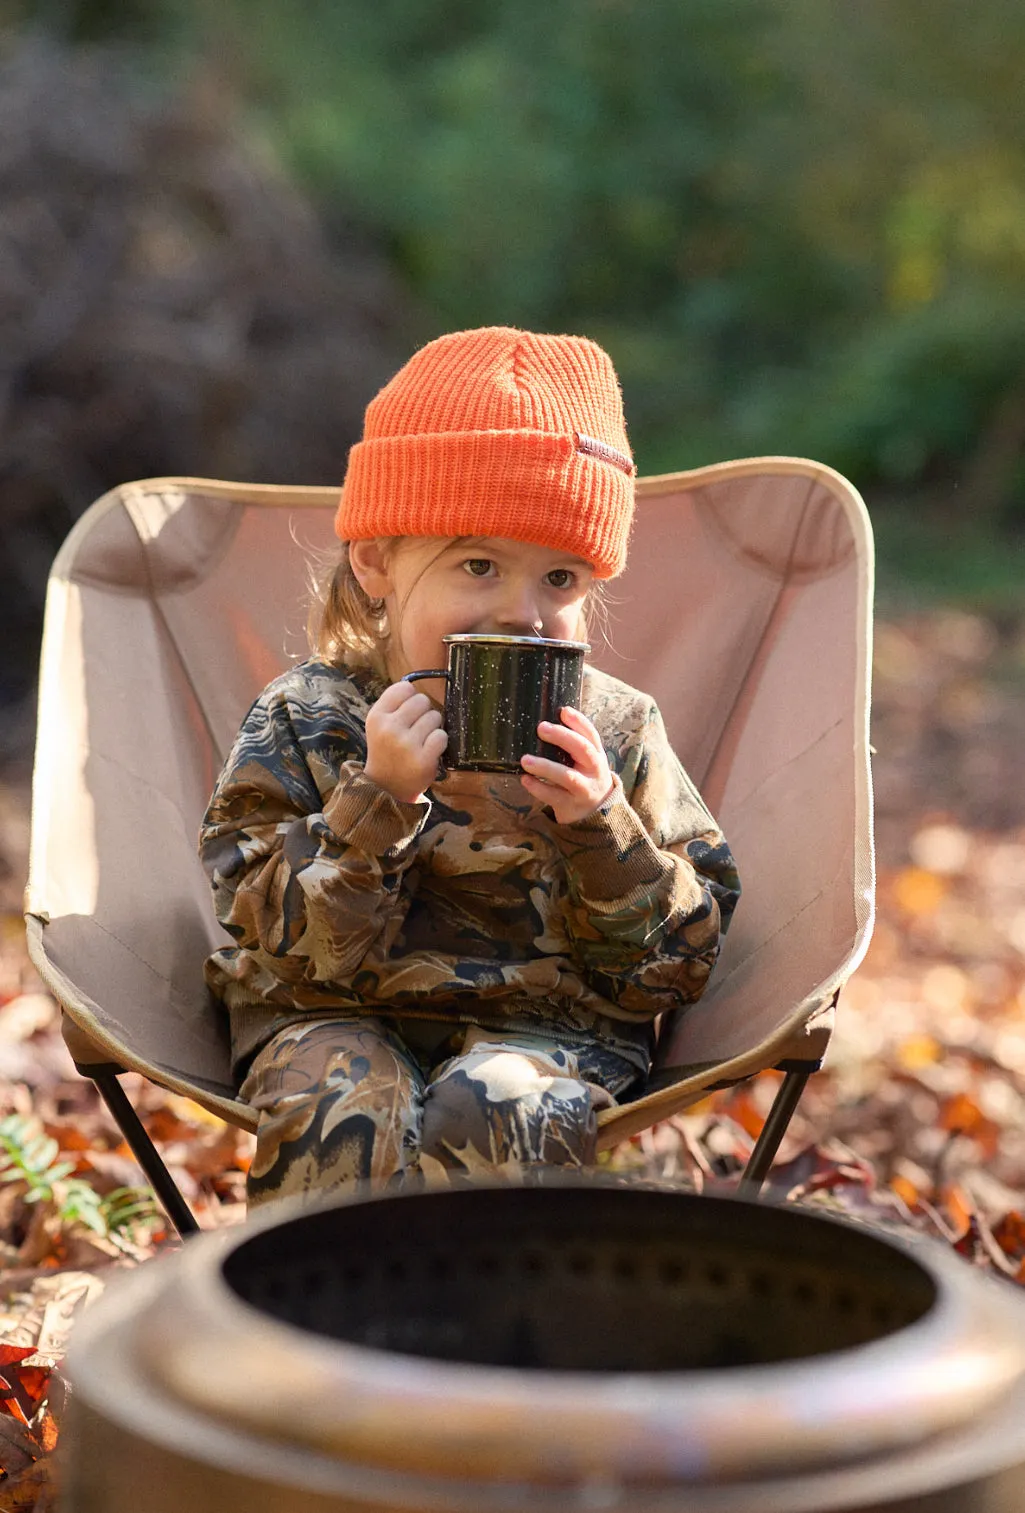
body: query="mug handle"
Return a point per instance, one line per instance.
(414, 677)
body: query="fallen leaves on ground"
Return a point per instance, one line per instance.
(52, 1263)
(915, 1122)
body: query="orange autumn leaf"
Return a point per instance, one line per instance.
(741, 1109)
(10, 1355)
(192, 1114)
(918, 892)
(918, 1051)
(960, 1208)
(13, 1355)
(20, 1382)
(1009, 1233)
(961, 1115)
(33, 1381)
(164, 1124)
(11, 1406)
(905, 1190)
(69, 1137)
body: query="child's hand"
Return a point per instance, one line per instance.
(404, 742)
(577, 791)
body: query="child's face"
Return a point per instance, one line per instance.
(485, 585)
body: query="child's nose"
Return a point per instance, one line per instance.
(519, 613)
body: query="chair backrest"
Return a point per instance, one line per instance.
(745, 610)
(748, 613)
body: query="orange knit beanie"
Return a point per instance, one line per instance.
(497, 432)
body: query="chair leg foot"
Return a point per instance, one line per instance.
(775, 1127)
(146, 1153)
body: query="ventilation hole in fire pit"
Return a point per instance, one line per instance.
(673, 1271)
(439, 1267)
(624, 1267)
(576, 1278)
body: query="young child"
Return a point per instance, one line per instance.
(446, 976)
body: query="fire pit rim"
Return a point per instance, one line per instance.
(951, 1364)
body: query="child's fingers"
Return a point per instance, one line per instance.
(403, 700)
(556, 774)
(413, 710)
(537, 788)
(576, 745)
(425, 728)
(396, 695)
(579, 722)
(572, 798)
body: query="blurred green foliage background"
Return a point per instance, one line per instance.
(798, 227)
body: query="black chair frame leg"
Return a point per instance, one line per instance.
(785, 1102)
(146, 1153)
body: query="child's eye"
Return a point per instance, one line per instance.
(559, 577)
(480, 567)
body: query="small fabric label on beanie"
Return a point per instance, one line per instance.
(601, 449)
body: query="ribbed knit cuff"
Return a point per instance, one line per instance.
(524, 485)
(364, 816)
(610, 854)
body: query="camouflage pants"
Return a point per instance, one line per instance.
(362, 1102)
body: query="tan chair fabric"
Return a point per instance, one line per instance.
(745, 610)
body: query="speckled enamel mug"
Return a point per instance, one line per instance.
(498, 690)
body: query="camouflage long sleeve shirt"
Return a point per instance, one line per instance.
(471, 905)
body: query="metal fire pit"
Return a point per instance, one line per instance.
(567, 1346)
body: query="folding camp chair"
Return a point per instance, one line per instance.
(745, 610)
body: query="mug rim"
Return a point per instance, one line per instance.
(487, 639)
